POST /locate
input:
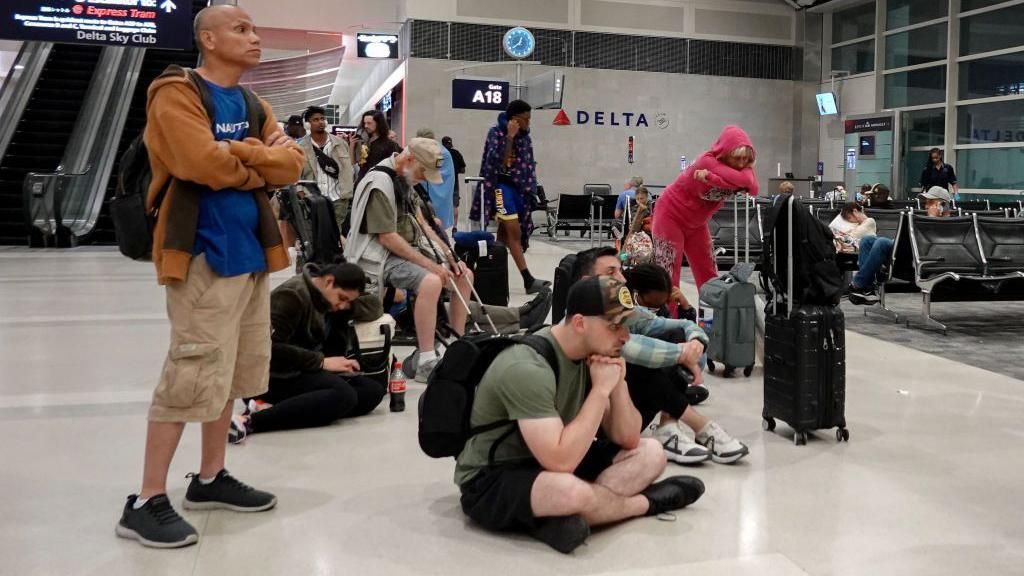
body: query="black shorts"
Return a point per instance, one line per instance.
(498, 497)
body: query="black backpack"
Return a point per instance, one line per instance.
(816, 277)
(446, 405)
(132, 222)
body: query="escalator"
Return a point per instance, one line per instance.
(153, 64)
(43, 132)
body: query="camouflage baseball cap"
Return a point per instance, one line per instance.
(599, 296)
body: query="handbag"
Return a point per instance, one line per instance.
(327, 164)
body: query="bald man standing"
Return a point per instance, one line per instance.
(215, 242)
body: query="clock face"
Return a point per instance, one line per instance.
(519, 42)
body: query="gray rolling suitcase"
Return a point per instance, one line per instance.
(731, 298)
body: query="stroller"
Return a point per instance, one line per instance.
(311, 215)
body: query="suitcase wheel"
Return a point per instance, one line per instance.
(842, 435)
(748, 370)
(800, 438)
(711, 365)
(768, 424)
(727, 372)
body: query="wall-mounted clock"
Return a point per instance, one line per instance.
(519, 42)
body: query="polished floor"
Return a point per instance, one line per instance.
(930, 483)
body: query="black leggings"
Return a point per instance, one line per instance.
(316, 399)
(657, 390)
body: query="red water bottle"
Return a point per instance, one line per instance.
(396, 387)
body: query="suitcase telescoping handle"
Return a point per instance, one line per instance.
(789, 258)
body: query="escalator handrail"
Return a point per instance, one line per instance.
(43, 204)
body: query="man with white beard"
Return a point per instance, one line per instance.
(395, 245)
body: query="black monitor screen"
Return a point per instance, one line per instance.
(143, 23)
(867, 145)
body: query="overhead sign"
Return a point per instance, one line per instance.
(470, 94)
(880, 124)
(374, 45)
(144, 23)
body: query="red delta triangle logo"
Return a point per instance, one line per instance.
(562, 119)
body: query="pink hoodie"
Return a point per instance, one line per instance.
(691, 202)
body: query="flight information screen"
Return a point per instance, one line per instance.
(142, 23)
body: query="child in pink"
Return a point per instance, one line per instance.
(682, 212)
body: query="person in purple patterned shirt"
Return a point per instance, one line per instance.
(510, 181)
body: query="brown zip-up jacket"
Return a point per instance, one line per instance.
(181, 146)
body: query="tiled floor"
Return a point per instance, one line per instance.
(930, 483)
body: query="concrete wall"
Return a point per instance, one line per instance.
(694, 107)
(856, 96)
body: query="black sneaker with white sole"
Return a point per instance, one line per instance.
(673, 493)
(862, 296)
(226, 493)
(156, 524)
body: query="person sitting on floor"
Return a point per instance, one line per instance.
(552, 476)
(656, 348)
(308, 389)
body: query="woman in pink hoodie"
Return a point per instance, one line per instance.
(682, 212)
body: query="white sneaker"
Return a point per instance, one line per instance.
(724, 448)
(424, 369)
(679, 446)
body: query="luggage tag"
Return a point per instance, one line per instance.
(481, 246)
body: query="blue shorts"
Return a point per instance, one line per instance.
(508, 202)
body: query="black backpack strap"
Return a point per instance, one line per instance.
(257, 114)
(396, 186)
(204, 95)
(543, 347)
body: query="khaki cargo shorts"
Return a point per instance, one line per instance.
(220, 344)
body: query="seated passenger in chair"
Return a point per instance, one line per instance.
(307, 387)
(397, 246)
(850, 226)
(876, 251)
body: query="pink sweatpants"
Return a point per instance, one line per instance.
(672, 241)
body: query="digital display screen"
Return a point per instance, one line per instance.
(827, 104)
(470, 94)
(380, 46)
(142, 23)
(867, 145)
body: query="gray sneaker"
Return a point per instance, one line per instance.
(155, 524)
(424, 369)
(228, 493)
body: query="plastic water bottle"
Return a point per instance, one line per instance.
(396, 388)
(682, 163)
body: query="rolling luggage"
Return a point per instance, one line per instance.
(563, 280)
(804, 350)
(730, 301)
(312, 218)
(490, 273)
(734, 329)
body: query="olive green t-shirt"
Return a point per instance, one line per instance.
(519, 385)
(380, 217)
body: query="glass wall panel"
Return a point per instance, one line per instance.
(918, 46)
(995, 76)
(968, 5)
(900, 13)
(994, 30)
(993, 169)
(927, 86)
(924, 128)
(856, 58)
(857, 22)
(989, 123)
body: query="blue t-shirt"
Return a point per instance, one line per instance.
(624, 196)
(229, 219)
(442, 195)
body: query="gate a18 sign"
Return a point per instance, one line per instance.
(470, 94)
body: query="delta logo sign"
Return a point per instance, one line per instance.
(601, 118)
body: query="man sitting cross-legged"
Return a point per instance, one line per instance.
(547, 475)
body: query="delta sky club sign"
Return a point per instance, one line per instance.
(602, 118)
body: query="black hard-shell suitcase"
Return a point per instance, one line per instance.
(563, 280)
(490, 273)
(804, 356)
(805, 371)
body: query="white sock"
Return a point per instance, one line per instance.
(207, 481)
(139, 503)
(427, 357)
